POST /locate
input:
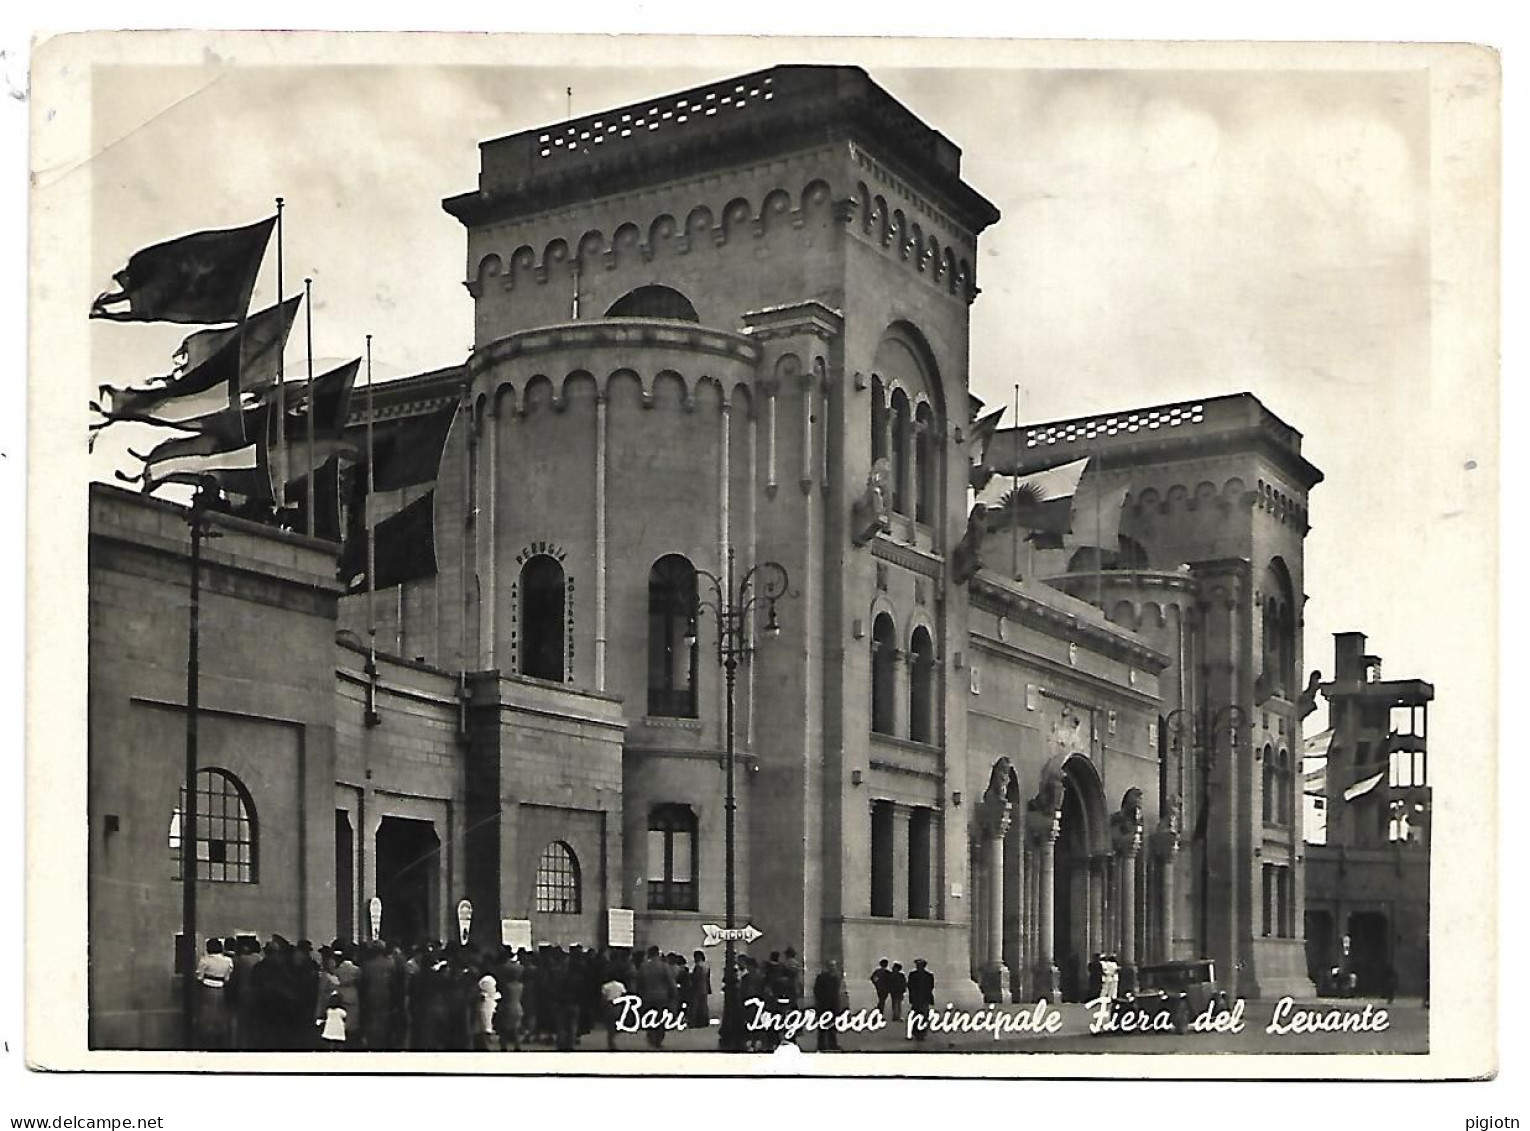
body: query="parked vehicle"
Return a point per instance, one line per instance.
(1182, 990)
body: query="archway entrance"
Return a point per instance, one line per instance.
(408, 879)
(1318, 930)
(1370, 952)
(1080, 864)
(1071, 884)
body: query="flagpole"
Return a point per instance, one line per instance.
(281, 393)
(197, 519)
(371, 539)
(1014, 496)
(309, 464)
(1099, 550)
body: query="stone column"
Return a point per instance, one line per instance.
(488, 613)
(993, 823)
(1014, 911)
(1126, 828)
(1046, 968)
(902, 665)
(911, 492)
(1166, 849)
(901, 815)
(1095, 941)
(600, 535)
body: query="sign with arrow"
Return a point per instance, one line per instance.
(712, 934)
(464, 919)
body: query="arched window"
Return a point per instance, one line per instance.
(1285, 783)
(884, 659)
(1278, 621)
(227, 840)
(672, 858)
(921, 698)
(878, 419)
(1268, 807)
(914, 421)
(654, 301)
(557, 884)
(902, 428)
(925, 471)
(542, 613)
(671, 638)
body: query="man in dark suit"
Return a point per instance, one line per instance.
(921, 997)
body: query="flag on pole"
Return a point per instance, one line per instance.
(244, 359)
(1041, 501)
(406, 456)
(232, 447)
(327, 522)
(982, 436)
(201, 277)
(407, 452)
(1096, 515)
(406, 543)
(253, 347)
(331, 404)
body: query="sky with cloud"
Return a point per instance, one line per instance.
(1166, 234)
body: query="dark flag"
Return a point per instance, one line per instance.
(406, 543)
(407, 452)
(251, 348)
(326, 501)
(406, 456)
(245, 359)
(232, 448)
(331, 406)
(202, 277)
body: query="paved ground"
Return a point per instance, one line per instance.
(1407, 1031)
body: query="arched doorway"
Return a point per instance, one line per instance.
(408, 880)
(1080, 874)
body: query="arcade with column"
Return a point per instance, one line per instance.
(1058, 880)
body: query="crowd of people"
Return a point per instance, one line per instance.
(346, 996)
(284, 996)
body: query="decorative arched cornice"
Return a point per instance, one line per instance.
(642, 238)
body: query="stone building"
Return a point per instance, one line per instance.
(1211, 501)
(1367, 884)
(732, 325)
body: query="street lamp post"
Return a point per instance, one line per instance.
(763, 584)
(1200, 728)
(205, 500)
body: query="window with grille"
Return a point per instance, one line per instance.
(557, 886)
(672, 858)
(227, 844)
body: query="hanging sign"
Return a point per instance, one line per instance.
(515, 933)
(464, 919)
(374, 912)
(712, 934)
(620, 926)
